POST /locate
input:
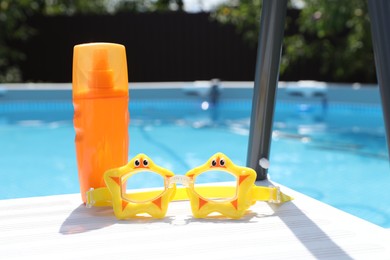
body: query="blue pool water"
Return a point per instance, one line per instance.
(336, 154)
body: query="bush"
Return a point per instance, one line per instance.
(14, 30)
(330, 39)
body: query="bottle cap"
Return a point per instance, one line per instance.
(99, 69)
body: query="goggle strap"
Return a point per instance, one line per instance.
(270, 194)
(99, 197)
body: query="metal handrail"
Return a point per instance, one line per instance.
(266, 79)
(267, 75)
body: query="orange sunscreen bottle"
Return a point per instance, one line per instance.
(101, 115)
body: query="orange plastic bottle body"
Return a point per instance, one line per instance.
(101, 118)
(101, 126)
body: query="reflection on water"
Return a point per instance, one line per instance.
(333, 153)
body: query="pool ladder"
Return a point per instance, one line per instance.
(269, 49)
(208, 91)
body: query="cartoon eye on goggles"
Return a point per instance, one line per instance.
(231, 201)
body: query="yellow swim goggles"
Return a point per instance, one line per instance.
(230, 200)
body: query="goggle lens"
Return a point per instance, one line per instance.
(150, 181)
(226, 179)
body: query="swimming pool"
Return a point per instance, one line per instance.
(332, 151)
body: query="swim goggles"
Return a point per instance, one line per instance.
(231, 201)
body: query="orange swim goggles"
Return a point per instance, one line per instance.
(231, 199)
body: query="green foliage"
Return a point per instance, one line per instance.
(244, 15)
(333, 35)
(133, 6)
(168, 5)
(149, 5)
(70, 7)
(341, 39)
(14, 30)
(13, 14)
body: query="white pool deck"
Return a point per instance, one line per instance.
(60, 227)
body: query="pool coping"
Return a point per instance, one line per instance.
(301, 229)
(301, 91)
